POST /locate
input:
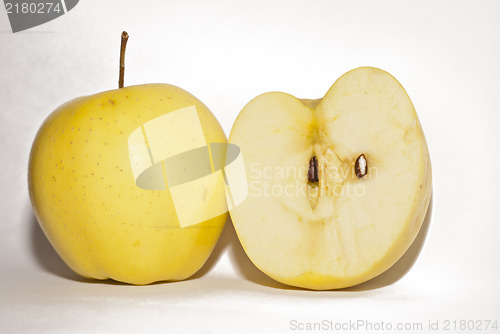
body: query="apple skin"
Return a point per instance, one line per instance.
(85, 198)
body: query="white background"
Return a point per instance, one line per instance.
(445, 53)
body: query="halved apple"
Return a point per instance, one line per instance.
(338, 187)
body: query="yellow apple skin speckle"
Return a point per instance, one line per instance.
(85, 198)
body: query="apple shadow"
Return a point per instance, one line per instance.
(226, 238)
(249, 271)
(44, 254)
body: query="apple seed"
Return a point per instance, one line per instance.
(361, 166)
(312, 173)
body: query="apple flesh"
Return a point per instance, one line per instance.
(85, 196)
(365, 204)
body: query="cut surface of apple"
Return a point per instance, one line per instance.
(338, 187)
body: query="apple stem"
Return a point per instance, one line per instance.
(122, 58)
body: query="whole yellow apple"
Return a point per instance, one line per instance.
(85, 185)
